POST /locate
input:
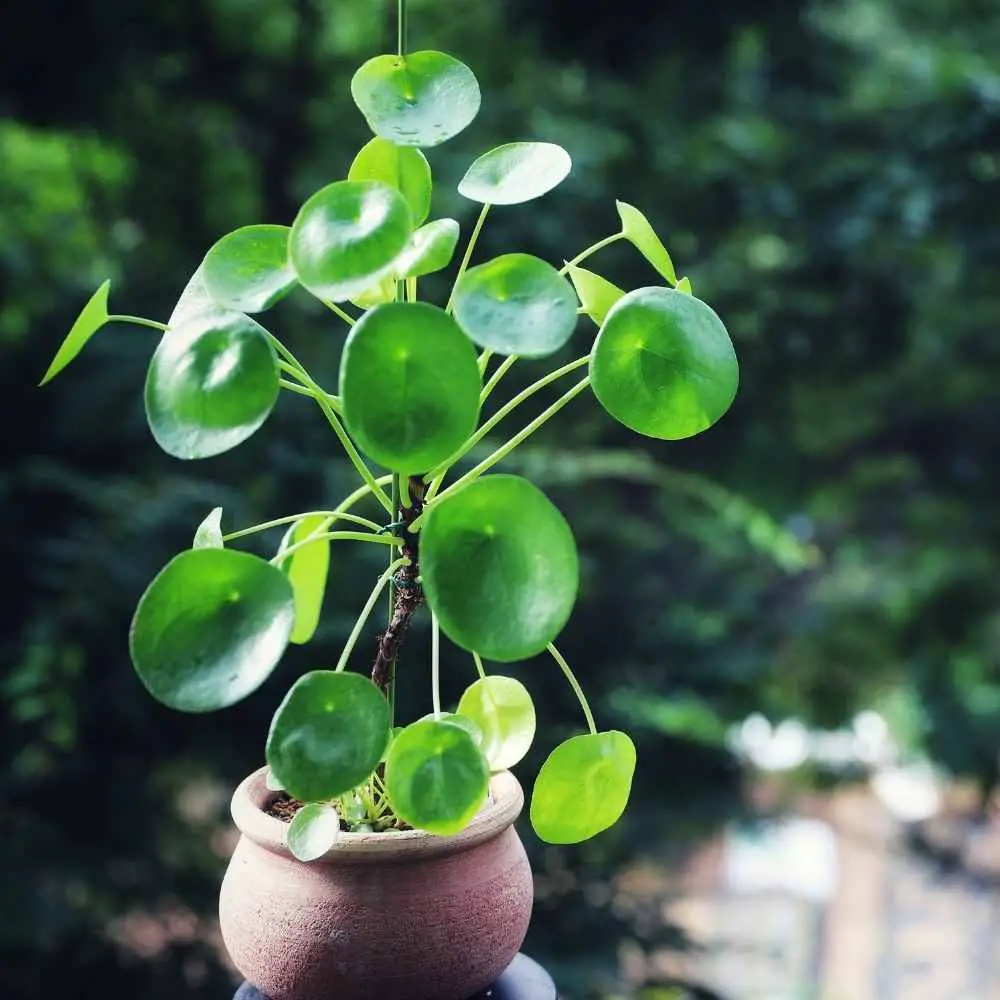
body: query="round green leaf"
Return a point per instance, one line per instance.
(431, 249)
(92, 317)
(401, 167)
(583, 787)
(210, 628)
(516, 304)
(212, 382)
(248, 270)
(469, 725)
(327, 735)
(499, 567)
(347, 236)
(597, 294)
(306, 569)
(504, 712)
(516, 172)
(421, 99)
(641, 235)
(663, 364)
(409, 383)
(435, 775)
(314, 829)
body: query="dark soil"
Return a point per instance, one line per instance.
(283, 807)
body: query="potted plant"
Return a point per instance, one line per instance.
(379, 859)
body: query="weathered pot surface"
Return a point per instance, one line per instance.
(381, 916)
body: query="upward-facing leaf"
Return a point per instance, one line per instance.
(209, 533)
(210, 628)
(640, 234)
(421, 99)
(402, 167)
(92, 317)
(211, 383)
(516, 172)
(306, 569)
(248, 269)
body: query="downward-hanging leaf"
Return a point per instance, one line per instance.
(347, 236)
(421, 99)
(640, 234)
(499, 567)
(583, 787)
(597, 295)
(209, 533)
(516, 304)
(314, 829)
(248, 269)
(210, 628)
(327, 735)
(92, 317)
(515, 173)
(505, 714)
(663, 364)
(435, 775)
(409, 383)
(306, 569)
(211, 383)
(402, 167)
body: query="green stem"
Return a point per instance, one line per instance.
(139, 321)
(435, 664)
(366, 611)
(484, 360)
(575, 685)
(479, 665)
(330, 515)
(506, 449)
(494, 381)
(468, 255)
(296, 388)
(401, 27)
(345, 316)
(439, 472)
(599, 245)
(336, 536)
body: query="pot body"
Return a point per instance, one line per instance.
(388, 916)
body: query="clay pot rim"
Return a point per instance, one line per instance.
(269, 832)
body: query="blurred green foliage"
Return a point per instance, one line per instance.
(828, 175)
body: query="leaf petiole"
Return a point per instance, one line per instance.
(584, 254)
(138, 321)
(468, 255)
(575, 685)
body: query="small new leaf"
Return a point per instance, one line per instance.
(684, 285)
(638, 231)
(92, 317)
(313, 831)
(596, 294)
(209, 533)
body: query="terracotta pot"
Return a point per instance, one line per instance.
(381, 916)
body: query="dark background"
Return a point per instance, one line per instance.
(826, 172)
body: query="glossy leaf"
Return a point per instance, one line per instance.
(640, 234)
(684, 285)
(409, 383)
(597, 295)
(306, 569)
(347, 236)
(196, 304)
(431, 249)
(583, 787)
(212, 382)
(436, 776)
(271, 782)
(663, 364)
(420, 100)
(384, 290)
(499, 567)
(327, 735)
(468, 724)
(92, 317)
(516, 304)
(401, 167)
(248, 269)
(314, 829)
(210, 628)
(209, 533)
(505, 714)
(515, 173)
